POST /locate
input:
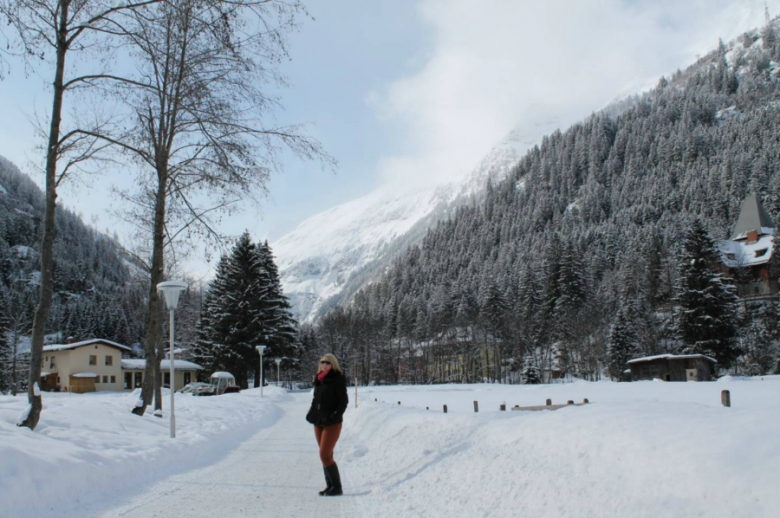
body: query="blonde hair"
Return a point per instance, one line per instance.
(334, 363)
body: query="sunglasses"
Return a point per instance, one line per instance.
(324, 362)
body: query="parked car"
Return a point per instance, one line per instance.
(198, 389)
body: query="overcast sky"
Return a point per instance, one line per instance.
(412, 92)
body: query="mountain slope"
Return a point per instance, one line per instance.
(96, 286)
(329, 256)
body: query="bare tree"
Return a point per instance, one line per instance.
(203, 133)
(48, 31)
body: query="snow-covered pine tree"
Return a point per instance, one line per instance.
(234, 316)
(278, 325)
(707, 320)
(531, 374)
(244, 308)
(621, 344)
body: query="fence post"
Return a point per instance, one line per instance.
(399, 402)
(502, 407)
(445, 409)
(725, 398)
(549, 402)
(476, 406)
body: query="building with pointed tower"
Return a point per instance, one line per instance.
(747, 254)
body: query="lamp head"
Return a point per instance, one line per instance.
(260, 349)
(171, 291)
(278, 360)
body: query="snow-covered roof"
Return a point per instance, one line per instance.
(671, 357)
(752, 217)
(222, 374)
(179, 365)
(736, 254)
(84, 375)
(76, 345)
(44, 374)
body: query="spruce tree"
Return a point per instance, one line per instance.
(244, 308)
(531, 374)
(621, 344)
(707, 319)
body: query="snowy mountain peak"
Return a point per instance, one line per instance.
(329, 256)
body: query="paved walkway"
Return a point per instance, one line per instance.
(275, 473)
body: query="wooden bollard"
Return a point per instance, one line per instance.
(585, 401)
(502, 406)
(570, 402)
(476, 406)
(725, 398)
(445, 409)
(549, 402)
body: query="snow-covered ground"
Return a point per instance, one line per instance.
(637, 449)
(89, 448)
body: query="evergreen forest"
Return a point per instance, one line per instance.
(600, 246)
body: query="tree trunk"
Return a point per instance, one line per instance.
(14, 376)
(153, 334)
(158, 397)
(49, 228)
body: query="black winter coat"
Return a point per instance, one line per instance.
(330, 400)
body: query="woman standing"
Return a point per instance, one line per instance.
(327, 408)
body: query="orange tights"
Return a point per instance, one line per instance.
(327, 436)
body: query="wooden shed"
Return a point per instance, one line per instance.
(670, 367)
(82, 382)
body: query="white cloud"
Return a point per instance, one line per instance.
(499, 64)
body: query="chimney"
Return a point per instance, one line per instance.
(752, 236)
(71, 340)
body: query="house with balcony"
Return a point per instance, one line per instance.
(83, 366)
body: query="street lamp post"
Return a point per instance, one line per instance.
(260, 349)
(278, 362)
(171, 291)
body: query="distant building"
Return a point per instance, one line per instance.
(96, 365)
(746, 255)
(670, 367)
(184, 372)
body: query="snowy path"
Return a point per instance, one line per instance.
(274, 473)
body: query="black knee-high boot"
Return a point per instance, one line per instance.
(335, 481)
(328, 484)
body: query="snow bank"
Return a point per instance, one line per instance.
(90, 447)
(638, 449)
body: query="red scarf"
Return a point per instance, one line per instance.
(321, 375)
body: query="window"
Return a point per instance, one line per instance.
(113, 379)
(97, 379)
(105, 379)
(128, 380)
(109, 360)
(762, 252)
(93, 359)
